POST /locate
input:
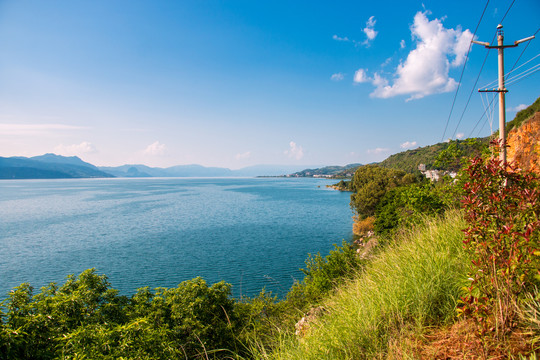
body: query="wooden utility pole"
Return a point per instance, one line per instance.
(501, 89)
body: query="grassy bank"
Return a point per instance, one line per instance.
(412, 284)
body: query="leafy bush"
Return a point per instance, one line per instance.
(323, 274)
(503, 213)
(407, 205)
(37, 321)
(342, 185)
(86, 318)
(370, 183)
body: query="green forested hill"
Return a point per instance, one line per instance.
(327, 170)
(409, 160)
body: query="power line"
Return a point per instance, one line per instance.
(474, 86)
(524, 74)
(501, 90)
(506, 13)
(463, 70)
(508, 73)
(497, 100)
(482, 116)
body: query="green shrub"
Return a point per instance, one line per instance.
(370, 183)
(85, 318)
(323, 274)
(503, 214)
(407, 205)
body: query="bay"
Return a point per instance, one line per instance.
(253, 233)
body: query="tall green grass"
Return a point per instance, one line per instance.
(411, 285)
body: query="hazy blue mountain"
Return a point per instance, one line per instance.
(132, 171)
(199, 171)
(58, 159)
(48, 166)
(51, 166)
(174, 171)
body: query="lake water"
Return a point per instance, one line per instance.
(252, 233)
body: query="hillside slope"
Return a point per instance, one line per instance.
(524, 144)
(327, 171)
(409, 160)
(412, 284)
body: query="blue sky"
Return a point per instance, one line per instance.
(238, 83)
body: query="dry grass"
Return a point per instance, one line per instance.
(461, 341)
(362, 226)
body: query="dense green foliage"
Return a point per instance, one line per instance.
(85, 318)
(370, 184)
(407, 205)
(503, 213)
(343, 185)
(327, 170)
(323, 274)
(409, 160)
(457, 153)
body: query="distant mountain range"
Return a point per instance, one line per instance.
(51, 166)
(198, 171)
(48, 166)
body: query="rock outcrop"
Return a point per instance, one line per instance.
(524, 145)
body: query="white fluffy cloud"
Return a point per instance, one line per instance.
(76, 149)
(337, 38)
(378, 80)
(519, 107)
(295, 151)
(426, 69)
(337, 77)
(402, 44)
(460, 135)
(360, 76)
(245, 155)
(408, 145)
(369, 30)
(155, 149)
(378, 150)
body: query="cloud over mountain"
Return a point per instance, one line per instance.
(84, 147)
(155, 149)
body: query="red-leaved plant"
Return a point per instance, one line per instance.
(502, 207)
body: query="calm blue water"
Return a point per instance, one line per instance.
(252, 233)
